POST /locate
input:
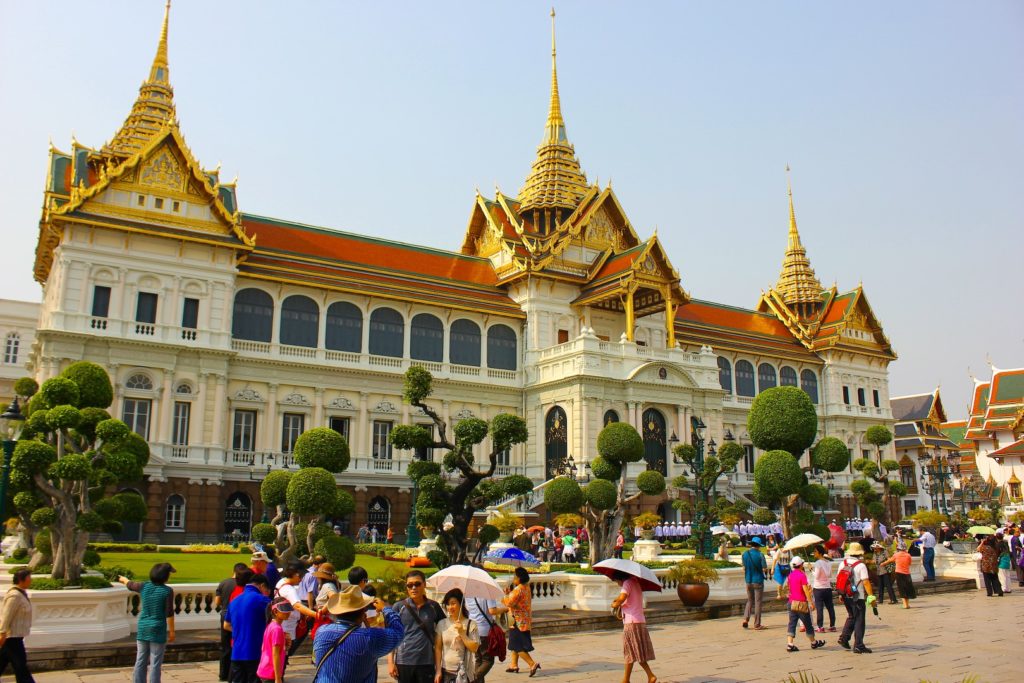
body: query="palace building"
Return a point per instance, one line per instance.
(227, 334)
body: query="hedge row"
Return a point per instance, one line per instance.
(123, 547)
(376, 548)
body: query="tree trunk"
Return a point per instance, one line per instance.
(290, 551)
(788, 506)
(311, 530)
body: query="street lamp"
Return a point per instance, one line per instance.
(936, 469)
(412, 531)
(704, 517)
(11, 415)
(826, 479)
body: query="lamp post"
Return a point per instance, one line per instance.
(12, 414)
(412, 531)
(252, 475)
(704, 517)
(826, 479)
(938, 469)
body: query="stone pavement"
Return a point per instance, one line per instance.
(942, 638)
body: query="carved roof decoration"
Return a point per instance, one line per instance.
(797, 282)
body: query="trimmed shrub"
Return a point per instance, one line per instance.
(123, 547)
(602, 469)
(516, 485)
(338, 550)
(417, 469)
(650, 482)
(59, 391)
(91, 558)
(488, 534)
(777, 474)
(619, 442)
(264, 534)
(93, 384)
(324, 448)
(26, 386)
(563, 494)
(600, 494)
(782, 418)
(311, 491)
(830, 454)
(765, 516)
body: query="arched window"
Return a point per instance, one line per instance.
(344, 327)
(300, 321)
(765, 377)
(501, 348)
(655, 441)
(387, 332)
(725, 374)
(556, 442)
(809, 383)
(465, 343)
(610, 416)
(253, 316)
(11, 348)
(426, 338)
(787, 377)
(174, 517)
(139, 381)
(183, 388)
(745, 378)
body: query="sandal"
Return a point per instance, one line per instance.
(816, 644)
(744, 624)
(760, 627)
(792, 648)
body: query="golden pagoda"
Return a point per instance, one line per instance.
(798, 286)
(556, 184)
(154, 107)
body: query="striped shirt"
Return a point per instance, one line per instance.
(355, 661)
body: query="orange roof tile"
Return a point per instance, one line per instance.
(718, 315)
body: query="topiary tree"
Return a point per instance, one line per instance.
(784, 420)
(602, 502)
(302, 500)
(765, 516)
(468, 488)
(878, 507)
(69, 455)
(706, 508)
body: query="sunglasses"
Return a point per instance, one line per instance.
(417, 584)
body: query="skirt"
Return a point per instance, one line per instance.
(636, 643)
(906, 586)
(519, 641)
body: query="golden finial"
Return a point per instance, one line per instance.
(556, 124)
(797, 283)
(158, 72)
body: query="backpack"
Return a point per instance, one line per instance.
(497, 645)
(846, 582)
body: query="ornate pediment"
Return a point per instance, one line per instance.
(162, 170)
(342, 403)
(385, 406)
(248, 394)
(295, 399)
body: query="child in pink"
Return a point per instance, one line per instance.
(272, 657)
(800, 600)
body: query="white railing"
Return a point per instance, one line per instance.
(179, 452)
(297, 351)
(193, 606)
(385, 361)
(250, 346)
(342, 356)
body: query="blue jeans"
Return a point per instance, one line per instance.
(929, 564)
(150, 656)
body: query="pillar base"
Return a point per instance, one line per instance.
(646, 551)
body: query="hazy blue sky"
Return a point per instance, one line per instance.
(903, 122)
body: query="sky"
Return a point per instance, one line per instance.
(903, 124)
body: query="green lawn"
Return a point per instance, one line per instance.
(210, 568)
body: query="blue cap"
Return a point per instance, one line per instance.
(756, 540)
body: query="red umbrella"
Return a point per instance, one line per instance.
(648, 580)
(535, 528)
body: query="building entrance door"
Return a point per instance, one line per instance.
(378, 516)
(237, 515)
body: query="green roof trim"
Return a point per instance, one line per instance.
(1011, 387)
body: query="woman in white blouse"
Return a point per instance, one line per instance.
(457, 640)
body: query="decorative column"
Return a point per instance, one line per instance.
(670, 316)
(630, 320)
(219, 405)
(681, 430)
(271, 422)
(318, 407)
(584, 431)
(364, 426)
(166, 401)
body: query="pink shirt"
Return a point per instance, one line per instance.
(633, 607)
(273, 637)
(797, 580)
(902, 561)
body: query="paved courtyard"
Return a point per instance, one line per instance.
(943, 638)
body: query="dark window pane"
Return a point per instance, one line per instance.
(387, 332)
(610, 416)
(344, 327)
(426, 338)
(876, 398)
(861, 400)
(190, 314)
(725, 374)
(846, 395)
(745, 378)
(655, 441)
(465, 344)
(100, 301)
(253, 316)
(300, 321)
(765, 376)
(809, 383)
(145, 308)
(787, 377)
(502, 353)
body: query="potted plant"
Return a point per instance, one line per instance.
(693, 579)
(505, 522)
(647, 521)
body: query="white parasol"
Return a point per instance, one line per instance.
(802, 541)
(472, 581)
(648, 580)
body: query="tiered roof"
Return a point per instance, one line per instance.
(737, 329)
(797, 282)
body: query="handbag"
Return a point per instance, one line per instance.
(497, 644)
(800, 606)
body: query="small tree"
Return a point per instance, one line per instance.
(980, 515)
(602, 502)
(468, 489)
(929, 519)
(879, 471)
(70, 454)
(308, 497)
(702, 484)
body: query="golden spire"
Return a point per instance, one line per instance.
(797, 283)
(555, 180)
(154, 107)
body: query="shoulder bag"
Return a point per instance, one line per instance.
(497, 645)
(327, 655)
(411, 606)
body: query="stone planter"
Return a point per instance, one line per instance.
(693, 594)
(646, 551)
(79, 617)
(505, 537)
(647, 534)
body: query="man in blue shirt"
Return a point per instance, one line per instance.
(246, 618)
(754, 568)
(344, 652)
